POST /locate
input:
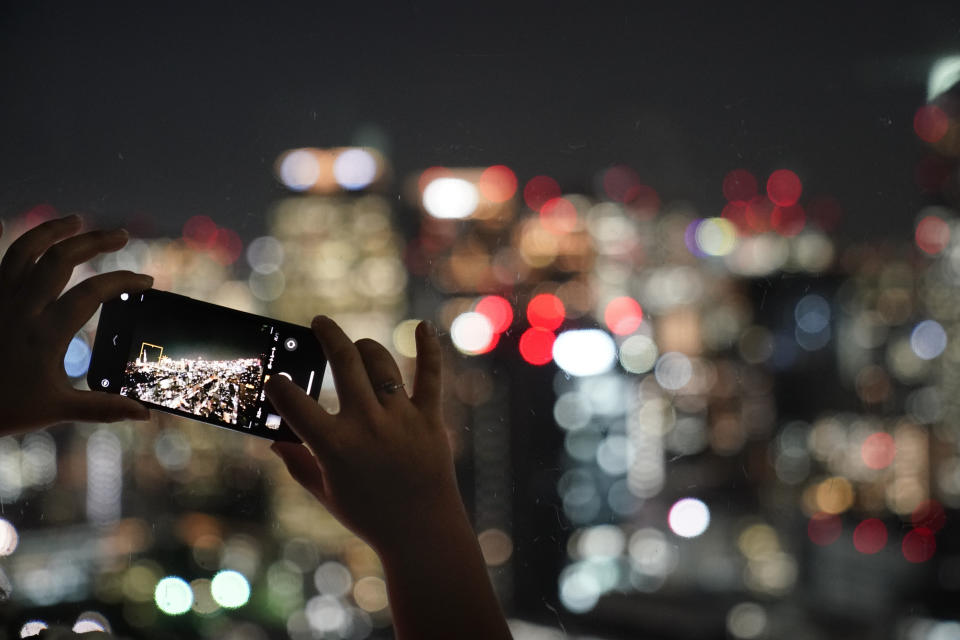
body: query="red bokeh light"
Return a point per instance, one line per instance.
(430, 174)
(494, 339)
(930, 123)
(825, 212)
(736, 212)
(788, 221)
(497, 183)
(644, 201)
(536, 345)
(784, 187)
(824, 528)
(758, 214)
(919, 545)
(621, 183)
(870, 536)
(623, 315)
(539, 190)
(930, 514)
(878, 450)
(739, 186)
(932, 235)
(200, 232)
(497, 310)
(558, 215)
(545, 311)
(227, 246)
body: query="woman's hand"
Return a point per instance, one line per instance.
(384, 467)
(385, 459)
(37, 324)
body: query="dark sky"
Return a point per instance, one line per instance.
(168, 325)
(123, 108)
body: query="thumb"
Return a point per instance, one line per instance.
(93, 406)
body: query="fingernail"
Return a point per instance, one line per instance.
(429, 328)
(317, 321)
(73, 218)
(119, 233)
(146, 279)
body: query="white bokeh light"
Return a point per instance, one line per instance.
(673, 370)
(584, 352)
(928, 339)
(299, 170)
(471, 332)
(355, 169)
(689, 517)
(450, 198)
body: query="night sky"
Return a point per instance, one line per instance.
(123, 109)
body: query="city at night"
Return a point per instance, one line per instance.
(642, 321)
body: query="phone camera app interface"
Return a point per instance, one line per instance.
(199, 365)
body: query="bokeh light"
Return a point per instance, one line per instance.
(450, 198)
(878, 450)
(9, 538)
(932, 235)
(558, 216)
(870, 536)
(536, 345)
(623, 315)
(230, 589)
(716, 236)
(930, 514)
(930, 123)
(739, 185)
(299, 169)
(32, 628)
(638, 354)
(928, 339)
(545, 311)
(497, 183)
(621, 183)
(689, 517)
(472, 333)
(355, 169)
(498, 311)
(539, 190)
(77, 359)
(784, 188)
(584, 352)
(173, 596)
(918, 545)
(824, 529)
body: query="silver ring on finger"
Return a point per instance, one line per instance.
(389, 386)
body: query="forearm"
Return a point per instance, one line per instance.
(438, 584)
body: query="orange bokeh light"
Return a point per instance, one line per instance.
(558, 216)
(497, 183)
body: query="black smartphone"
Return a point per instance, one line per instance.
(202, 361)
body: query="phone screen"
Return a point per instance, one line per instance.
(200, 360)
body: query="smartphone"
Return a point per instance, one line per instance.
(202, 361)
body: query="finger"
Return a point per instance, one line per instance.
(72, 310)
(25, 250)
(303, 467)
(349, 374)
(427, 382)
(305, 417)
(382, 370)
(93, 406)
(54, 268)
